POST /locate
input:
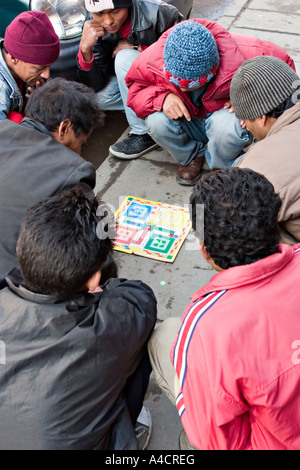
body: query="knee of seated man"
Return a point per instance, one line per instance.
(123, 61)
(156, 123)
(165, 334)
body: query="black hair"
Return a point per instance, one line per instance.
(60, 99)
(63, 242)
(287, 104)
(240, 216)
(282, 107)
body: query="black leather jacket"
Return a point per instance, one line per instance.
(67, 362)
(149, 19)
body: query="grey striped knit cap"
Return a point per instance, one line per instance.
(260, 85)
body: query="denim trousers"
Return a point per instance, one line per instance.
(219, 136)
(114, 96)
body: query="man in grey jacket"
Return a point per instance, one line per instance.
(265, 94)
(74, 368)
(41, 156)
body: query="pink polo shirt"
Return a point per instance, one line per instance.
(237, 357)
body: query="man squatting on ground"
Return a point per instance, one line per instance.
(180, 85)
(265, 94)
(110, 42)
(235, 369)
(29, 48)
(76, 368)
(41, 156)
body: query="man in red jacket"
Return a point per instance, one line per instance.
(180, 86)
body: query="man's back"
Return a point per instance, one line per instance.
(67, 362)
(243, 358)
(33, 166)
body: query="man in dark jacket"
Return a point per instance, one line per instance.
(40, 156)
(118, 32)
(74, 365)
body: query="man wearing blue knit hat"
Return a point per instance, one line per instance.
(181, 85)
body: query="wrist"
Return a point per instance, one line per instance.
(86, 53)
(83, 63)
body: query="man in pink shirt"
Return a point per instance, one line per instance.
(234, 372)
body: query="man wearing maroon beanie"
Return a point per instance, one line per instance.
(29, 48)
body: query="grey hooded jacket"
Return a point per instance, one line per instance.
(33, 166)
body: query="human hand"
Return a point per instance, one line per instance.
(31, 89)
(230, 108)
(175, 108)
(90, 35)
(122, 44)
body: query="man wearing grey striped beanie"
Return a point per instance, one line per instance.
(265, 94)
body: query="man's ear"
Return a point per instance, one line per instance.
(13, 60)
(62, 133)
(208, 258)
(263, 120)
(64, 128)
(94, 281)
(203, 251)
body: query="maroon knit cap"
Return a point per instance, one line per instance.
(30, 37)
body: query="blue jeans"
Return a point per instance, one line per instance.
(219, 136)
(114, 96)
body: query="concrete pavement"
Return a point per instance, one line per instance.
(269, 20)
(153, 177)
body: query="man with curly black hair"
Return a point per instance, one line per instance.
(234, 372)
(240, 218)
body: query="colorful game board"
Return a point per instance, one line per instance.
(151, 229)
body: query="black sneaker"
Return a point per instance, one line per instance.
(134, 146)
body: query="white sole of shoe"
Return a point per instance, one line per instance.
(124, 156)
(144, 420)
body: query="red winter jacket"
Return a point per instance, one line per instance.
(148, 86)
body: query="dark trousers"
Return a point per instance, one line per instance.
(136, 387)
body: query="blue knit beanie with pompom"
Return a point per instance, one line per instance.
(191, 55)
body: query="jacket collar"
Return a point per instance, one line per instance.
(32, 124)
(288, 117)
(6, 74)
(139, 20)
(248, 274)
(15, 282)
